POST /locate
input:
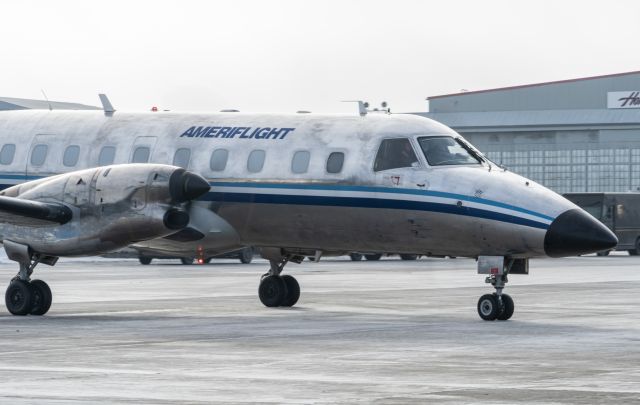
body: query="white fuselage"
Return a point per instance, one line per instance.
(458, 210)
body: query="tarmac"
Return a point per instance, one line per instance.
(391, 331)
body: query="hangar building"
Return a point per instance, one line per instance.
(572, 136)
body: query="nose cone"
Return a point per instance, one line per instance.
(185, 186)
(575, 232)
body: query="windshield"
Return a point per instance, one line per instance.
(446, 150)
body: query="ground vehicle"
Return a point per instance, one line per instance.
(245, 255)
(620, 212)
(356, 256)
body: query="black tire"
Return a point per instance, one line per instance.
(356, 257)
(246, 255)
(186, 260)
(488, 307)
(636, 251)
(145, 260)
(272, 291)
(409, 257)
(207, 260)
(311, 258)
(19, 297)
(373, 256)
(507, 308)
(293, 291)
(603, 253)
(42, 297)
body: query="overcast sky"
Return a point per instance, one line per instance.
(282, 56)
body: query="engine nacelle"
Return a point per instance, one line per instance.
(106, 208)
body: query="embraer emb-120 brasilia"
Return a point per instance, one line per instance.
(82, 183)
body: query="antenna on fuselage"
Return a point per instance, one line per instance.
(47, 98)
(363, 107)
(106, 105)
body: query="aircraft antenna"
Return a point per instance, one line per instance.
(47, 98)
(363, 107)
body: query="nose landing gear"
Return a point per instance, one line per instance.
(498, 306)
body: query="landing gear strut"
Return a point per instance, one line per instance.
(276, 290)
(25, 296)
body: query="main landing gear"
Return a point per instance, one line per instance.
(276, 290)
(25, 296)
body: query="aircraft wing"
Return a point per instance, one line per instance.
(21, 212)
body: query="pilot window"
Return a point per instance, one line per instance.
(300, 161)
(182, 157)
(39, 155)
(219, 160)
(71, 155)
(445, 150)
(335, 162)
(255, 161)
(141, 155)
(395, 153)
(7, 153)
(107, 155)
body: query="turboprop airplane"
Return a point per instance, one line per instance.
(82, 183)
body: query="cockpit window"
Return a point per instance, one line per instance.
(445, 150)
(395, 153)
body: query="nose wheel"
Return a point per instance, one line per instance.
(494, 306)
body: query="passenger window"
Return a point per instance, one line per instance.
(39, 155)
(7, 153)
(335, 162)
(219, 160)
(141, 155)
(300, 161)
(255, 161)
(395, 153)
(71, 155)
(107, 155)
(182, 157)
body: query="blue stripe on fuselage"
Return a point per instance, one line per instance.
(383, 190)
(260, 198)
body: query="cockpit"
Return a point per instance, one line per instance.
(438, 151)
